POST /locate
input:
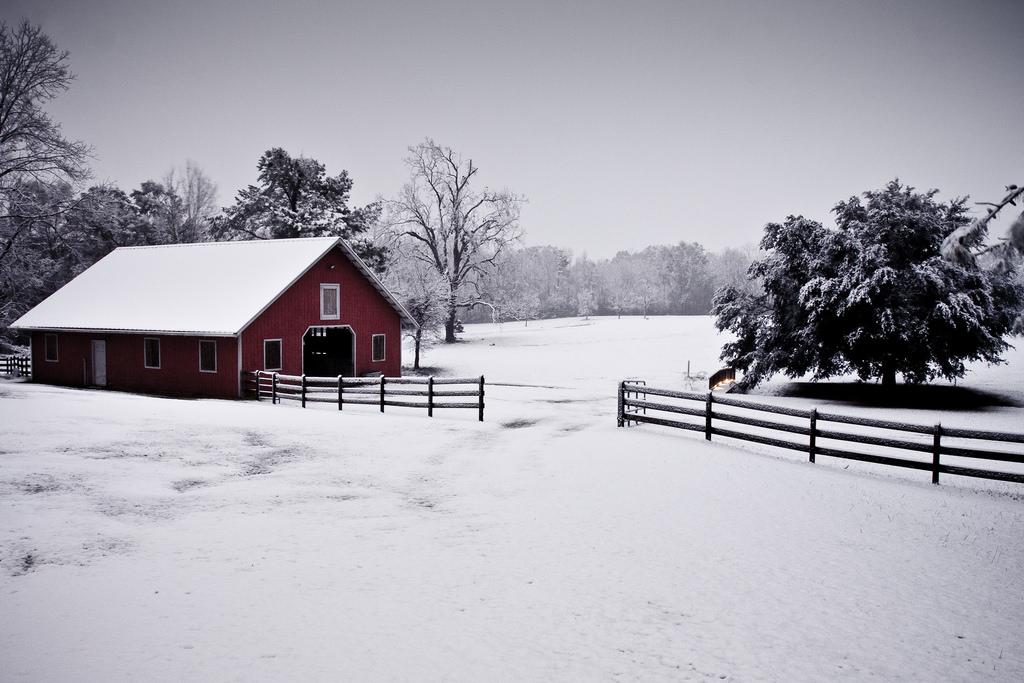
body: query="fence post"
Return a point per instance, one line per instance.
(303, 391)
(707, 418)
(382, 393)
(936, 449)
(814, 433)
(430, 396)
(273, 389)
(481, 398)
(341, 387)
(620, 417)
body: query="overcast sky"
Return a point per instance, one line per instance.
(625, 124)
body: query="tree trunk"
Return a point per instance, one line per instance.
(416, 356)
(449, 324)
(888, 373)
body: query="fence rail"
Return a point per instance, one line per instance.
(16, 366)
(936, 449)
(431, 393)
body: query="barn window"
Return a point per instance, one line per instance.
(329, 302)
(271, 354)
(50, 344)
(207, 355)
(378, 348)
(152, 348)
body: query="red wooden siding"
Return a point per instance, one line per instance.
(178, 374)
(363, 309)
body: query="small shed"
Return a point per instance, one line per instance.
(189, 319)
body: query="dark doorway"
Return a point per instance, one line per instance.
(328, 352)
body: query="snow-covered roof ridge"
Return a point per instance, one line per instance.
(208, 288)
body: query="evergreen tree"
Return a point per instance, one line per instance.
(872, 297)
(296, 198)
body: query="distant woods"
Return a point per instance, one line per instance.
(448, 246)
(548, 282)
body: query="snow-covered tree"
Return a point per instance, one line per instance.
(458, 230)
(39, 167)
(583, 286)
(967, 244)
(296, 198)
(872, 296)
(423, 293)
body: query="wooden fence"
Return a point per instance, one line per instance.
(432, 393)
(937, 449)
(16, 366)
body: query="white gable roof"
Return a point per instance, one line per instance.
(211, 288)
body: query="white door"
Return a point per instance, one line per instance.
(99, 362)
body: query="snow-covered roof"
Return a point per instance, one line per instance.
(211, 288)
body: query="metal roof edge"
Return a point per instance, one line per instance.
(114, 330)
(334, 242)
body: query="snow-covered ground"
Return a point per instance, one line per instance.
(149, 539)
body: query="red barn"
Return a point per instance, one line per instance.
(188, 319)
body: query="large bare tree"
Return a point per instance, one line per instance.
(198, 195)
(180, 208)
(456, 229)
(35, 158)
(423, 293)
(32, 148)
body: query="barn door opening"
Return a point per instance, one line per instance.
(329, 352)
(99, 362)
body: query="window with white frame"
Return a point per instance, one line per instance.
(271, 354)
(378, 348)
(330, 302)
(50, 344)
(207, 355)
(152, 352)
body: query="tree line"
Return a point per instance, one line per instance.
(549, 282)
(903, 283)
(449, 249)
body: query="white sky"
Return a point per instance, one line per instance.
(625, 124)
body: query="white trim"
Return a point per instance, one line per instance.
(373, 347)
(238, 368)
(149, 332)
(280, 354)
(330, 287)
(101, 346)
(322, 329)
(208, 341)
(159, 355)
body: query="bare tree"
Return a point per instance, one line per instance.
(583, 281)
(620, 283)
(193, 203)
(34, 155)
(423, 293)
(455, 229)
(33, 72)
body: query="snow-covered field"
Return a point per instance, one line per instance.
(149, 539)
